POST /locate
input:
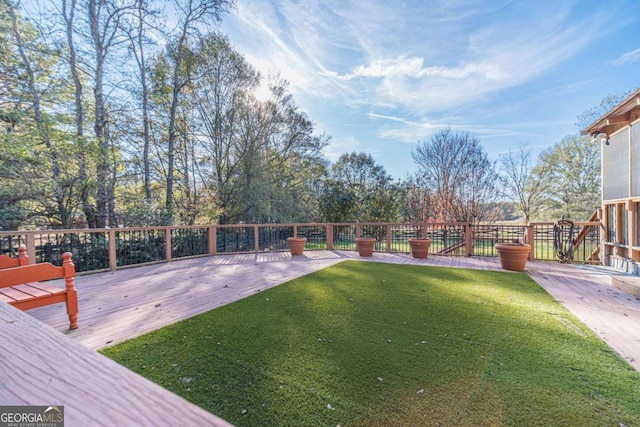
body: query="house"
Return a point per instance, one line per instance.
(618, 133)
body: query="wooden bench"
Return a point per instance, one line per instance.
(22, 286)
(22, 259)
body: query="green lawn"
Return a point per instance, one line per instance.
(368, 344)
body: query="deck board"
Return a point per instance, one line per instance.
(116, 306)
(50, 368)
(587, 292)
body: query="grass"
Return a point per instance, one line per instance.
(368, 344)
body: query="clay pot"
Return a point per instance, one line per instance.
(365, 246)
(513, 256)
(296, 245)
(420, 247)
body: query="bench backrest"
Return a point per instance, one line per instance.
(36, 272)
(22, 259)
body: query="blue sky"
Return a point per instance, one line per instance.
(380, 75)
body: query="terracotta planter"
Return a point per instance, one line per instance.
(513, 256)
(296, 245)
(365, 246)
(420, 247)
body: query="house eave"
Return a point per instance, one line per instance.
(623, 114)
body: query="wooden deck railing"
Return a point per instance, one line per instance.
(113, 248)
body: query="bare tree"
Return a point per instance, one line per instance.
(456, 168)
(419, 201)
(520, 184)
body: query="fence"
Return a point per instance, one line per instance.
(110, 249)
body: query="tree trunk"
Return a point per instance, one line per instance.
(102, 167)
(87, 207)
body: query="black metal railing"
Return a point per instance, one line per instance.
(102, 249)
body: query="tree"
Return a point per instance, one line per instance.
(37, 159)
(190, 14)
(138, 43)
(520, 184)
(68, 12)
(572, 168)
(178, 134)
(237, 158)
(358, 189)
(338, 202)
(225, 123)
(105, 19)
(418, 205)
(456, 168)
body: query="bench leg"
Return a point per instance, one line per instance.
(72, 308)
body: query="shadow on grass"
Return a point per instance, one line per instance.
(377, 344)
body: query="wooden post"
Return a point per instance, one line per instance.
(167, 247)
(256, 236)
(31, 247)
(531, 241)
(23, 258)
(213, 239)
(468, 239)
(329, 237)
(633, 226)
(388, 238)
(113, 262)
(620, 214)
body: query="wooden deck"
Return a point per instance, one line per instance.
(587, 292)
(116, 306)
(40, 366)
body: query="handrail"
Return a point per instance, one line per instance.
(114, 248)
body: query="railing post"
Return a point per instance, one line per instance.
(213, 239)
(113, 261)
(256, 237)
(468, 238)
(167, 244)
(531, 241)
(31, 247)
(388, 238)
(329, 237)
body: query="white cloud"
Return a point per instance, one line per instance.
(628, 58)
(414, 67)
(404, 62)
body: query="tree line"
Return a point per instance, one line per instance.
(120, 113)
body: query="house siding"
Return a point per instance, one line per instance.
(635, 160)
(615, 160)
